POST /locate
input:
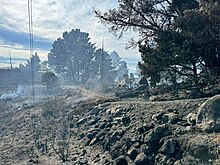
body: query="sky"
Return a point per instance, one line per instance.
(50, 19)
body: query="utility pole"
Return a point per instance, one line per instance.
(10, 59)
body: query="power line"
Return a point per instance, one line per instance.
(30, 26)
(31, 42)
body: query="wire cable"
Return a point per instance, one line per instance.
(31, 42)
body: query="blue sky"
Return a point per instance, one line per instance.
(50, 19)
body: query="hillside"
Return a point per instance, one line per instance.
(80, 127)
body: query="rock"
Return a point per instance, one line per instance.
(166, 117)
(94, 130)
(108, 112)
(126, 120)
(93, 141)
(102, 125)
(202, 148)
(140, 130)
(134, 139)
(116, 135)
(71, 125)
(105, 161)
(153, 98)
(145, 149)
(95, 111)
(118, 120)
(96, 159)
(81, 121)
(200, 151)
(82, 161)
(170, 118)
(118, 149)
(115, 111)
(87, 142)
(110, 119)
(68, 95)
(160, 159)
(132, 153)
(34, 161)
(148, 126)
(158, 116)
(90, 136)
(141, 159)
(169, 147)
(171, 110)
(100, 135)
(136, 145)
(191, 119)
(24, 106)
(81, 135)
(152, 139)
(208, 115)
(188, 129)
(93, 121)
(199, 148)
(144, 128)
(178, 162)
(108, 125)
(121, 161)
(187, 161)
(106, 144)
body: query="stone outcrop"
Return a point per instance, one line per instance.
(208, 116)
(132, 134)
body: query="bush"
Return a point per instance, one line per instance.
(50, 80)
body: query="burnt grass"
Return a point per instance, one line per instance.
(104, 129)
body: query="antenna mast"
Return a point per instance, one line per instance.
(10, 59)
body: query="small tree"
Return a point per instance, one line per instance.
(57, 129)
(61, 141)
(50, 80)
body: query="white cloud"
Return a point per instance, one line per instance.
(20, 52)
(52, 17)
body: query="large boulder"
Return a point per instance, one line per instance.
(208, 115)
(204, 148)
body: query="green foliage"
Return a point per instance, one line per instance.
(77, 59)
(72, 54)
(179, 39)
(102, 65)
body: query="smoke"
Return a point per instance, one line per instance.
(21, 92)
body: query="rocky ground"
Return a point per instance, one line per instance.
(80, 127)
